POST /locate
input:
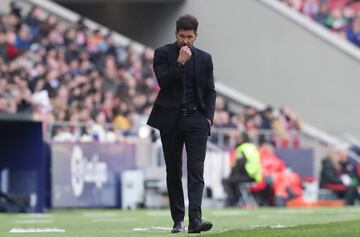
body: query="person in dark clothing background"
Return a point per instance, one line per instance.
(340, 176)
(183, 112)
(266, 124)
(246, 168)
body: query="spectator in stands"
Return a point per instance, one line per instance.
(266, 124)
(33, 20)
(336, 15)
(323, 14)
(67, 72)
(63, 134)
(238, 121)
(353, 32)
(3, 46)
(253, 124)
(97, 131)
(291, 123)
(23, 39)
(222, 120)
(349, 11)
(266, 118)
(340, 176)
(220, 104)
(336, 21)
(311, 8)
(280, 134)
(3, 104)
(249, 112)
(221, 117)
(15, 8)
(296, 4)
(356, 150)
(11, 51)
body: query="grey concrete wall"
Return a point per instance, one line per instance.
(267, 56)
(259, 52)
(4, 5)
(147, 23)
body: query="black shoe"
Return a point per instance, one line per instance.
(178, 227)
(199, 225)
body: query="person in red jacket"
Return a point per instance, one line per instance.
(284, 183)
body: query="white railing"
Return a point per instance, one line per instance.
(221, 138)
(306, 128)
(61, 131)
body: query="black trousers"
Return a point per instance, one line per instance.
(192, 131)
(349, 195)
(237, 176)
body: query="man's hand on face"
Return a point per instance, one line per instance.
(184, 54)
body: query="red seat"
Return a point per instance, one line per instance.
(337, 4)
(257, 187)
(335, 187)
(356, 6)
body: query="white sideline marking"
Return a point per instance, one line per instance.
(152, 228)
(35, 215)
(268, 226)
(278, 226)
(34, 221)
(36, 230)
(219, 231)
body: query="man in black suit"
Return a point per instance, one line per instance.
(183, 112)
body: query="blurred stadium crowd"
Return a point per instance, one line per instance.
(63, 71)
(67, 73)
(70, 73)
(339, 16)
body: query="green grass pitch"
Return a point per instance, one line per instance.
(264, 222)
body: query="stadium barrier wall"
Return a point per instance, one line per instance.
(299, 160)
(88, 174)
(24, 156)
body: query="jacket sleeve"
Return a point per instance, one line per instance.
(165, 74)
(210, 93)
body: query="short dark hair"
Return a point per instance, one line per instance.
(187, 22)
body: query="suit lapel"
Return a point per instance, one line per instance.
(174, 53)
(197, 65)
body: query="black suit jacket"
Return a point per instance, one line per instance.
(168, 73)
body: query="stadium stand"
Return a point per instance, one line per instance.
(70, 73)
(339, 16)
(67, 74)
